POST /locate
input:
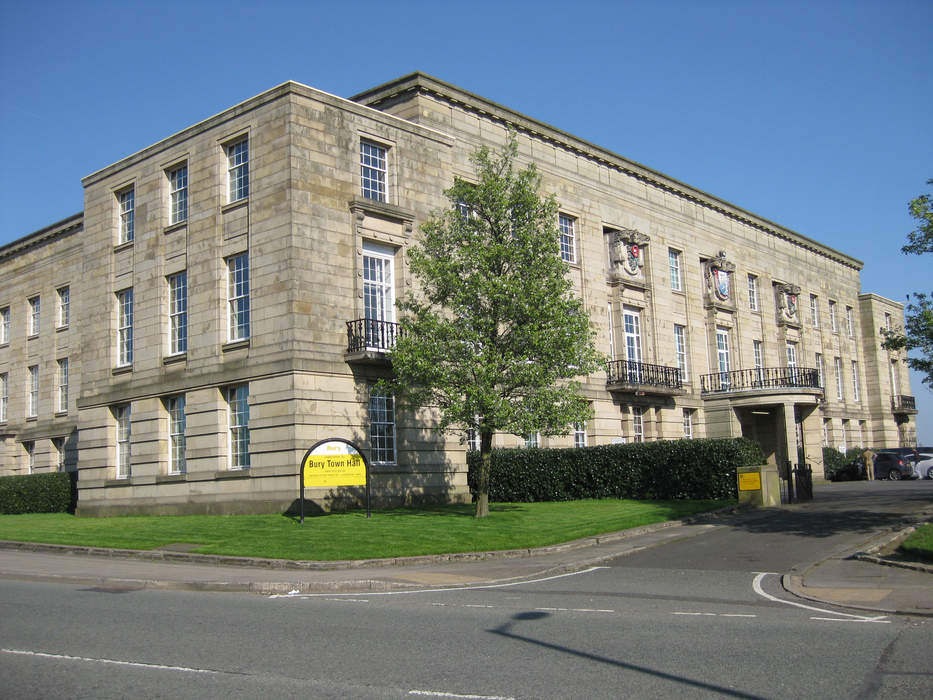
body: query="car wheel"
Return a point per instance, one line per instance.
(930, 473)
(894, 475)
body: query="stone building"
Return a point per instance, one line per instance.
(226, 299)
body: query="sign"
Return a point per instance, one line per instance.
(750, 481)
(333, 462)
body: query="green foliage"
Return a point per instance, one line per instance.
(668, 469)
(834, 460)
(918, 331)
(50, 492)
(919, 545)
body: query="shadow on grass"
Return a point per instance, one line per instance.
(452, 510)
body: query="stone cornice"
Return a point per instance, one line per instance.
(421, 83)
(59, 229)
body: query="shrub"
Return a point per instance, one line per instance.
(834, 460)
(51, 492)
(665, 470)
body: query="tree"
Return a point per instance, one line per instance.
(918, 331)
(494, 336)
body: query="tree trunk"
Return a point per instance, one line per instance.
(482, 483)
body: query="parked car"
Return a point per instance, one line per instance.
(893, 466)
(922, 467)
(850, 471)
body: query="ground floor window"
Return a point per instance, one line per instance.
(638, 424)
(688, 423)
(238, 435)
(175, 406)
(124, 451)
(382, 427)
(579, 434)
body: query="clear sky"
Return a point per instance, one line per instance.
(815, 114)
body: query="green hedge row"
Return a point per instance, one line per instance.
(833, 459)
(669, 469)
(50, 492)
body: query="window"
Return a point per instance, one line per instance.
(4, 395)
(532, 440)
(176, 434)
(64, 307)
(861, 432)
(757, 360)
(59, 445)
(894, 372)
(237, 171)
(32, 400)
(791, 354)
(814, 311)
(178, 194)
(579, 434)
(850, 321)
(688, 423)
(373, 171)
(472, 437)
(63, 385)
(856, 394)
(238, 420)
(5, 325)
(837, 366)
(820, 370)
(753, 292)
(34, 316)
(125, 328)
(680, 348)
(378, 295)
(30, 448)
(887, 321)
(124, 452)
(673, 261)
(833, 323)
(631, 322)
(382, 427)
(638, 424)
(238, 297)
(127, 215)
(722, 356)
(568, 238)
(612, 333)
(826, 432)
(178, 313)
(843, 435)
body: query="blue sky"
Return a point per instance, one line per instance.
(815, 114)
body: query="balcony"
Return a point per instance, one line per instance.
(369, 341)
(640, 378)
(761, 379)
(903, 404)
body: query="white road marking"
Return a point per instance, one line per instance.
(867, 619)
(597, 610)
(138, 664)
(440, 590)
(756, 584)
(709, 614)
(442, 694)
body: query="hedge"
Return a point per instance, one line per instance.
(833, 459)
(50, 492)
(664, 470)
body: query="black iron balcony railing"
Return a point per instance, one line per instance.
(369, 334)
(761, 378)
(902, 402)
(643, 374)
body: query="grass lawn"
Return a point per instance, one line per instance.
(389, 533)
(920, 543)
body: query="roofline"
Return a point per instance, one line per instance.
(289, 87)
(67, 226)
(424, 83)
(878, 297)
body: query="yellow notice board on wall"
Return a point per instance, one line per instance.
(333, 463)
(750, 481)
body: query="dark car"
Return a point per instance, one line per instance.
(850, 471)
(922, 465)
(894, 466)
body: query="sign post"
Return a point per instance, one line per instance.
(333, 462)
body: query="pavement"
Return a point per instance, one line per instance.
(862, 576)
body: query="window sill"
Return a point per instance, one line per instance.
(32, 336)
(169, 478)
(59, 329)
(121, 481)
(679, 292)
(175, 227)
(235, 345)
(232, 474)
(175, 359)
(60, 414)
(371, 206)
(233, 206)
(123, 369)
(122, 246)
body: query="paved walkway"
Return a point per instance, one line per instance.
(860, 577)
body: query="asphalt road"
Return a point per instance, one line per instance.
(705, 617)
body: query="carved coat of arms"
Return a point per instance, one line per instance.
(627, 253)
(718, 276)
(788, 295)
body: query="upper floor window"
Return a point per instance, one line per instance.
(64, 307)
(238, 297)
(4, 395)
(382, 427)
(237, 171)
(791, 354)
(833, 322)
(568, 238)
(837, 366)
(814, 311)
(820, 370)
(856, 394)
(753, 292)
(125, 327)
(850, 321)
(373, 171)
(673, 262)
(32, 399)
(178, 313)
(680, 348)
(34, 316)
(178, 194)
(4, 325)
(238, 421)
(127, 215)
(887, 321)
(63, 385)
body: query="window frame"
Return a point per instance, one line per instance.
(237, 155)
(579, 434)
(59, 444)
(680, 350)
(238, 298)
(125, 313)
(29, 447)
(638, 423)
(32, 393)
(850, 321)
(675, 269)
(126, 230)
(35, 315)
(382, 418)
(63, 315)
(567, 225)
(124, 441)
(688, 423)
(372, 155)
(833, 321)
(178, 313)
(4, 395)
(856, 392)
(840, 387)
(63, 379)
(177, 423)
(177, 193)
(820, 370)
(814, 311)
(753, 303)
(5, 325)
(238, 437)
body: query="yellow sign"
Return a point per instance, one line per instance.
(334, 464)
(750, 481)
